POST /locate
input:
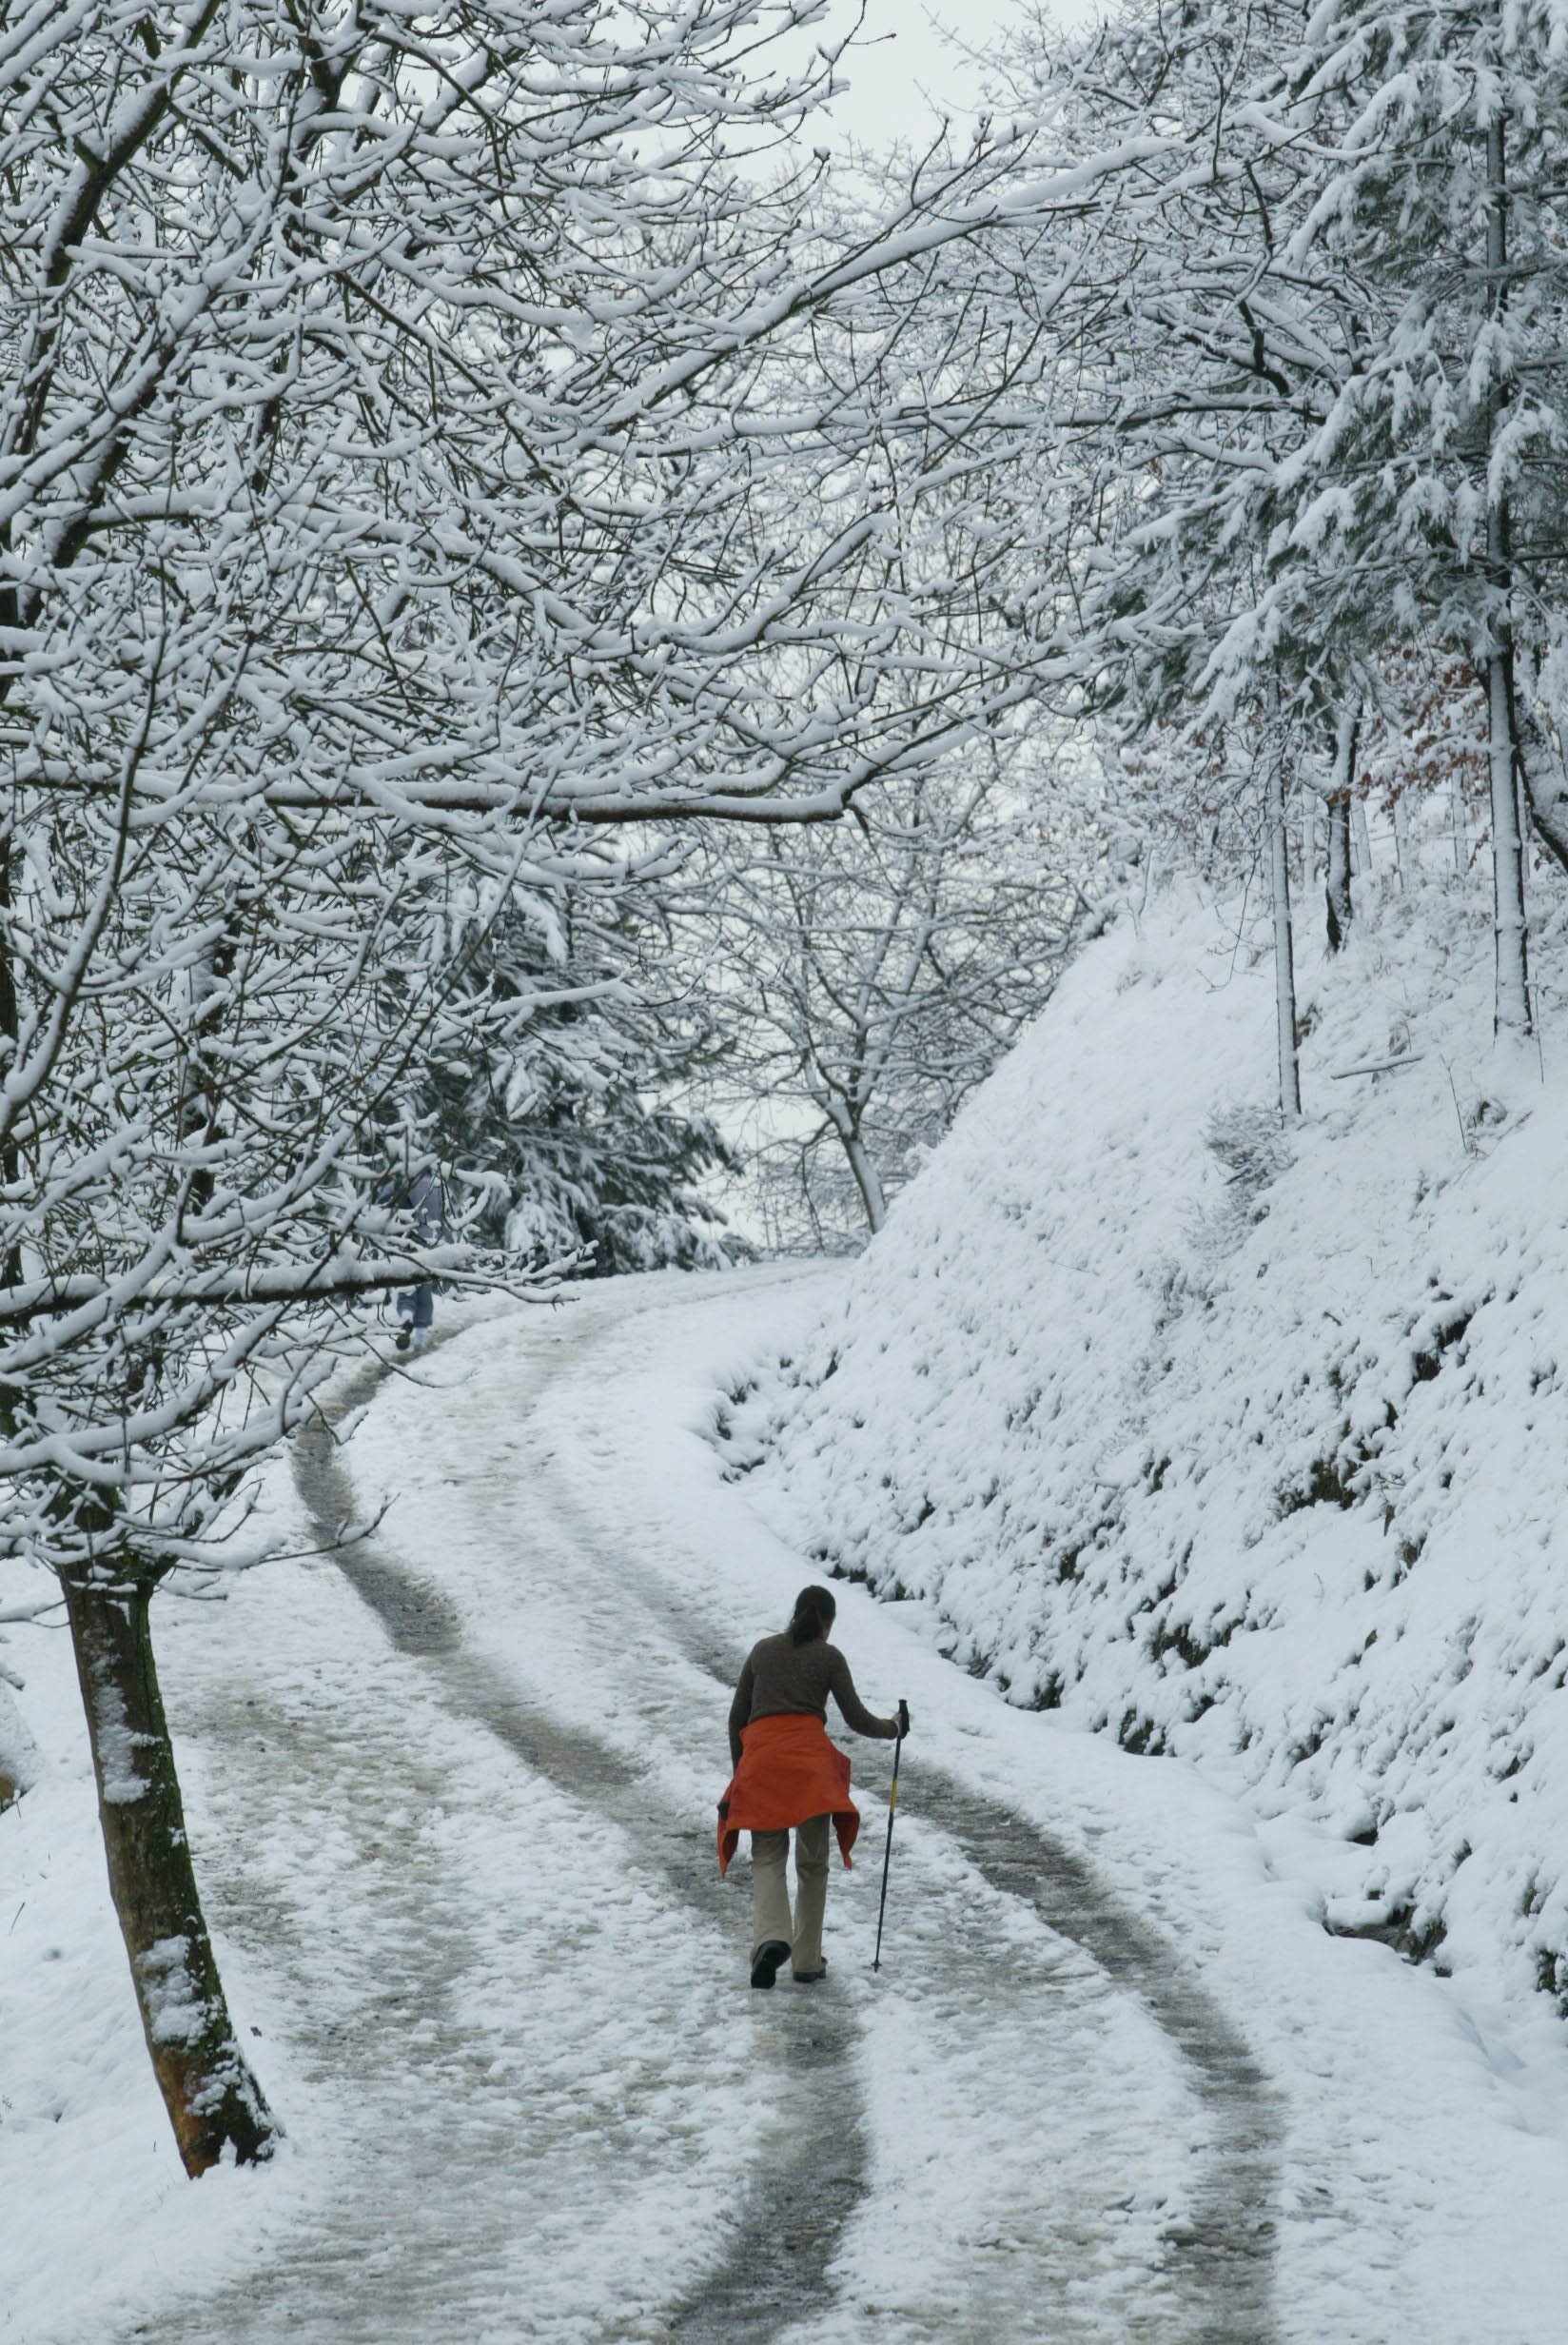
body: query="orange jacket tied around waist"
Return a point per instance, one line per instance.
(789, 1772)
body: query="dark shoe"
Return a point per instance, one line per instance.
(402, 1339)
(810, 1978)
(768, 1960)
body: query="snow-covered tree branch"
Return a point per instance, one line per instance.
(869, 976)
(417, 447)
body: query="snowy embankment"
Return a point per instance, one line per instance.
(1249, 1449)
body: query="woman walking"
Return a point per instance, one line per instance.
(788, 1775)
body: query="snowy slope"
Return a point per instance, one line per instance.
(1251, 1451)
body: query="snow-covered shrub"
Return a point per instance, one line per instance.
(1248, 1142)
(18, 1752)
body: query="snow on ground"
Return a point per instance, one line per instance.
(18, 1754)
(459, 1861)
(385, 1890)
(1245, 1447)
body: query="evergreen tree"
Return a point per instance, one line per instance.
(570, 1133)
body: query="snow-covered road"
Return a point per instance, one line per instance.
(456, 1799)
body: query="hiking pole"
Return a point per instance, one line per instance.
(892, 1810)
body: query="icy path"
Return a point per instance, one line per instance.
(466, 1874)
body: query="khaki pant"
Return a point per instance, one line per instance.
(770, 1916)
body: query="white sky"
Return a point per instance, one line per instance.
(907, 74)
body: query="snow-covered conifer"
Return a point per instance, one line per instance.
(571, 1132)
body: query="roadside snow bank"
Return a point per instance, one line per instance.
(1247, 1447)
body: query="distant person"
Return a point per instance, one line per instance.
(422, 1198)
(789, 1776)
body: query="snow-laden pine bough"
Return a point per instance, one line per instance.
(789, 1776)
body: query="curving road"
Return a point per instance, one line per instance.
(896, 2188)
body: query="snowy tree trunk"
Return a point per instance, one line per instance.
(1340, 907)
(1511, 999)
(1545, 780)
(213, 2100)
(1284, 957)
(10, 1790)
(1362, 838)
(10, 1270)
(1310, 804)
(866, 1179)
(1402, 840)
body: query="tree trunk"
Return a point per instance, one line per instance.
(1362, 838)
(866, 1180)
(1510, 995)
(1402, 840)
(1310, 805)
(1284, 957)
(10, 1028)
(213, 2100)
(1337, 888)
(1511, 999)
(1340, 907)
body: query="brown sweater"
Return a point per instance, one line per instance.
(797, 1679)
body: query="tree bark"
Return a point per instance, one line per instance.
(1339, 905)
(1310, 804)
(214, 2102)
(1285, 956)
(866, 1180)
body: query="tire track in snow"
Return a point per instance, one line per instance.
(452, 2272)
(1222, 2266)
(1218, 2266)
(814, 2170)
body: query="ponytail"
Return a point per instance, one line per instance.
(815, 1608)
